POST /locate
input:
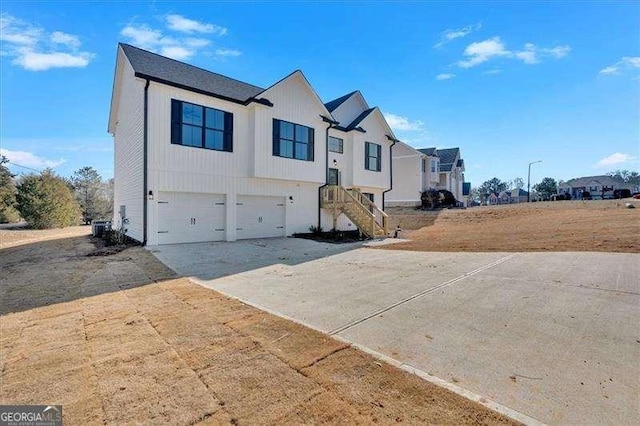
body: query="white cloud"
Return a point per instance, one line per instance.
(445, 76)
(35, 49)
(533, 54)
(228, 52)
(397, 122)
(69, 40)
(34, 61)
(176, 45)
(182, 24)
(493, 71)
(483, 51)
(28, 159)
(177, 52)
(614, 159)
(479, 52)
(610, 70)
(627, 62)
(451, 34)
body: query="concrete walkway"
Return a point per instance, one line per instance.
(555, 336)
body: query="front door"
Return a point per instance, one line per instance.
(334, 177)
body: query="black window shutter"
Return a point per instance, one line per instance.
(310, 146)
(228, 132)
(366, 155)
(379, 157)
(176, 114)
(276, 137)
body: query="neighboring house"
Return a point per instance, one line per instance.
(513, 196)
(493, 199)
(204, 157)
(417, 170)
(594, 185)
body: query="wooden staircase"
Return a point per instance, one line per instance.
(368, 217)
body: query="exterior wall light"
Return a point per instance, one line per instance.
(150, 195)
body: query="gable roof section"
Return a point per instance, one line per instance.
(332, 105)
(354, 124)
(299, 73)
(430, 152)
(175, 73)
(445, 167)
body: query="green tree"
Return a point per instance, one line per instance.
(492, 185)
(626, 176)
(8, 212)
(45, 201)
(547, 187)
(91, 194)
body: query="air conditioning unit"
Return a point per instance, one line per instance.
(98, 227)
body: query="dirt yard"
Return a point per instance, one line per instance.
(552, 226)
(119, 339)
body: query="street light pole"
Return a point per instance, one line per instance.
(529, 180)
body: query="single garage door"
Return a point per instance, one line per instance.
(260, 217)
(190, 218)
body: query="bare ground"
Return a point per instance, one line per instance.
(606, 226)
(120, 339)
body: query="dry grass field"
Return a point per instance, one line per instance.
(606, 226)
(120, 340)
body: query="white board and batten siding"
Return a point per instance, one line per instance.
(407, 176)
(376, 133)
(295, 102)
(128, 150)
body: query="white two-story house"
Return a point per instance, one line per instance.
(204, 157)
(418, 170)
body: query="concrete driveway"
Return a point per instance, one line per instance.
(555, 336)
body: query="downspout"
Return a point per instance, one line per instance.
(393, 142)
(145, 180)
(332, 123)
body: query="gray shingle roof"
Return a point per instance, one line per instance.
(448, 156)
(332, 105)
(431, 152)
(445, 167)
(169, 71)
(584, 181)
(359, 119)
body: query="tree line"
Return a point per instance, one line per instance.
(545, 189)
(46, 200)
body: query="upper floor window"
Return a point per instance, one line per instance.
(292, 140)
(201, 127)
(372, 156)
(336, 145)
(434, 166)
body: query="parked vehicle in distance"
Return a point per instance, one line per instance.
(621, 193)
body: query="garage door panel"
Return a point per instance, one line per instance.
(260, 217)
(190, 218)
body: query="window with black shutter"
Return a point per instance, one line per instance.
(372, 156)
(201, 127)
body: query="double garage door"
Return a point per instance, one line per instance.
(191, 218)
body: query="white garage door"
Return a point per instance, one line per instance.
(260, 217)
(190, 218)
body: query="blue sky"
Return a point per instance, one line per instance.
(508, 83)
